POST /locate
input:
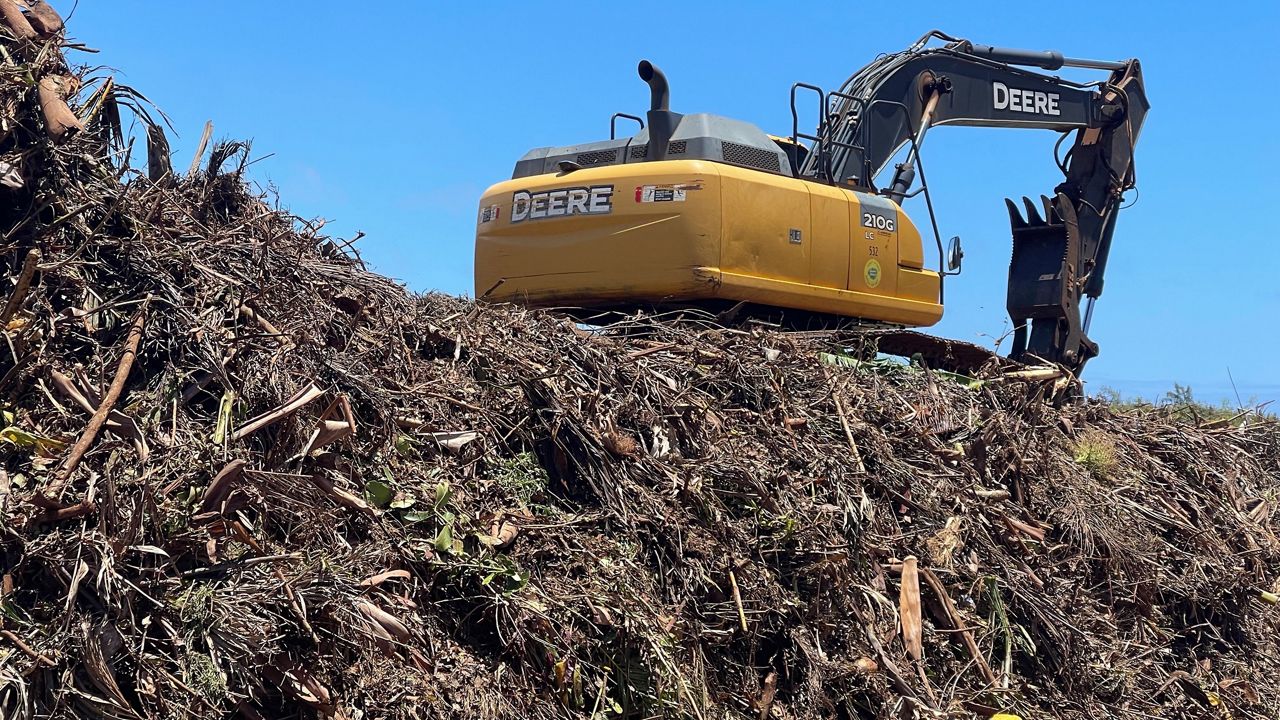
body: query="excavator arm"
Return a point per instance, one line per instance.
(1059, 249)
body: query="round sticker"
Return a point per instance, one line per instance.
(871, 273)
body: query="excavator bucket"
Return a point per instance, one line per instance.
(1044, 274)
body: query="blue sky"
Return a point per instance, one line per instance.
(393, 119)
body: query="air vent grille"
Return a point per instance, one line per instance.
(597, 157)
(750, 156)
(679, 147)
(639, 152)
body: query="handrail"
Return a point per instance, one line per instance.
(796, 134)
(613, 122)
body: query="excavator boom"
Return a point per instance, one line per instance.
(1060, 254)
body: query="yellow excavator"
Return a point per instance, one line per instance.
(700, 210)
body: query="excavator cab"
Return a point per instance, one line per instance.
(703, 210)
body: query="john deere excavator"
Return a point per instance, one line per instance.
(699, 209)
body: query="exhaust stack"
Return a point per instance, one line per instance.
(662, 122)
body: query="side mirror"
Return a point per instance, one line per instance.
(955, 254)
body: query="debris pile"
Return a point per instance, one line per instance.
(243, 476)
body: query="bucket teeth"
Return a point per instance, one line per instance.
(1033, 215)
(1015, 215)
(1050, 212)
(1052, 217)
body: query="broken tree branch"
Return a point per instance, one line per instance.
(957, 624)
(17, 21)
(19, 293)
(100, 415)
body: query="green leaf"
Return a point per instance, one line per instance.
(963, 380)
(225, 407)
(378, 493)
(418, 516)
(442, 493)
(403, 500)
(27, 441)
(404, 445)
(444, 539)
(508, 576)
(838, 360)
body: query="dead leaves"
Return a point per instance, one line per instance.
(504, 527)
(221, 484)
(53, 91)
(300, 399)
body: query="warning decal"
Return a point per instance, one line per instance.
(659, 193)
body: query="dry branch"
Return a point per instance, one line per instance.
(909, 608)
(130, 351)
(957, 624)
(287, 408)
(16, 21)
(20, 289)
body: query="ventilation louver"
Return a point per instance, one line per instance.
(748, 156)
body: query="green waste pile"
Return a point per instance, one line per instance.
(243, 476)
